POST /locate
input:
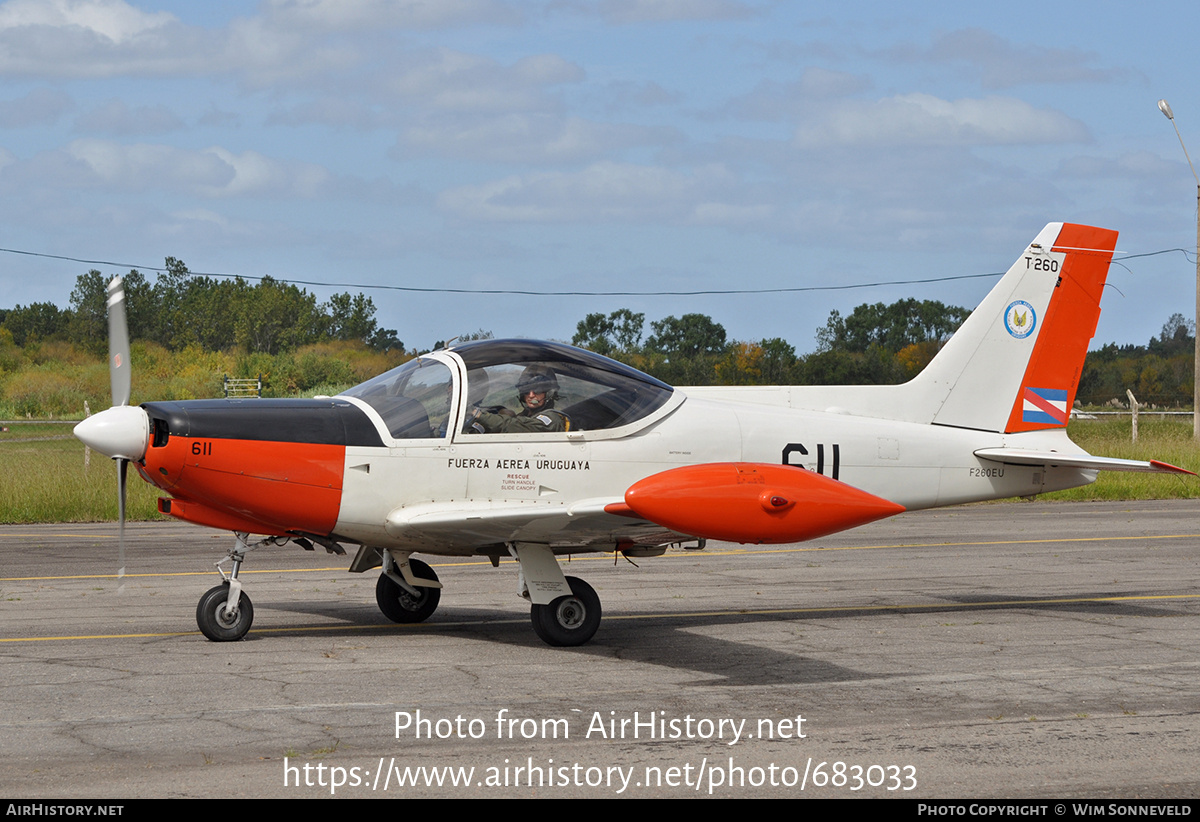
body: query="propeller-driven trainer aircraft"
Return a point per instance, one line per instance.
(534, 450)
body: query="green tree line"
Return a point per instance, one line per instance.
(1161, 373)
(181, 309)
(875, 344)
(187, 327)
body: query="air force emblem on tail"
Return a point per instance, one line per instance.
(1020, 319)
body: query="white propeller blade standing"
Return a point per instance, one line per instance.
(121, 432)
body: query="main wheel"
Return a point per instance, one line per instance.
(399, 605)
(569, 620)
(215, 623)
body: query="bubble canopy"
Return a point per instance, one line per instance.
(416, 399)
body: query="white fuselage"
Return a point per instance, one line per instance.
(912, 464)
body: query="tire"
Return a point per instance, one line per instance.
(568, 621)
(399, 605)
(215, 624)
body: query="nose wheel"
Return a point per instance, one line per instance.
(218, 621)
(224, 613)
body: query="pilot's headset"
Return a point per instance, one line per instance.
(537, 378)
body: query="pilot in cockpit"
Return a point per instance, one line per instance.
(537, 389)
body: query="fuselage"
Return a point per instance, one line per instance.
(331, 467)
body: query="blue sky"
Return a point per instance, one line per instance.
(597, 145)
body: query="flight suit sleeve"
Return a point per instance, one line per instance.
(539, 423)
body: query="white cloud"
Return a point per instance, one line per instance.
(527, 138)
(203, 215)
(290, 40)
(339, 112)
(212, 172)
(625, 94)
(1002, 64)
(114, 20)
(816, 82)
(773, 101)
(218, 118)
(109, 38)
(96, 38)
(922, 119)
(343, 15)
(40, 107)
(1135, 165)
(456, 81)
(729, 214)
(263, 54)
(149, 166)
(255, 174)
(663, 11)
(603, 191)
(115, 117)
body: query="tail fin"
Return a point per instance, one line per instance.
(1014, 365)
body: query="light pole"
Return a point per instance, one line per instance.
(1165, 108)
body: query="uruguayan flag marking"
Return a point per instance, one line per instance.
(1045, 405)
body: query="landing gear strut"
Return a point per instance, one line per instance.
(224, 613)
(565, 611)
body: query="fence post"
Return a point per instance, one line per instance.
(1133, 406)
(87, 452)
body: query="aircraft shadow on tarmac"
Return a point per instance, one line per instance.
(672, 641)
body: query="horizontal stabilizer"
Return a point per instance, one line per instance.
(1024, 456)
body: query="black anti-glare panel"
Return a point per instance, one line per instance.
(330, 422)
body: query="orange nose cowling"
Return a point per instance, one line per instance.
(280, 487)
(266, 466)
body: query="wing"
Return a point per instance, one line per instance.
(460, 527)
(734, 501)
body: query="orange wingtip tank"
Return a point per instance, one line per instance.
(753, 502)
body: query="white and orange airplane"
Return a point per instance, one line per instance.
(400, 465)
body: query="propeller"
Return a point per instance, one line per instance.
(121, 432)
(118, 343)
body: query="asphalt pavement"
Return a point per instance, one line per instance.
(991, 651)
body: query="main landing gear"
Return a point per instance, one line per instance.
(568, 620)
(565, 611)
(408, 590)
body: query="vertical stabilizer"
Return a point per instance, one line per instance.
(1014, 365)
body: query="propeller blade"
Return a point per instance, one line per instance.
(122, 473)
(118, 370)
(118, 343)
